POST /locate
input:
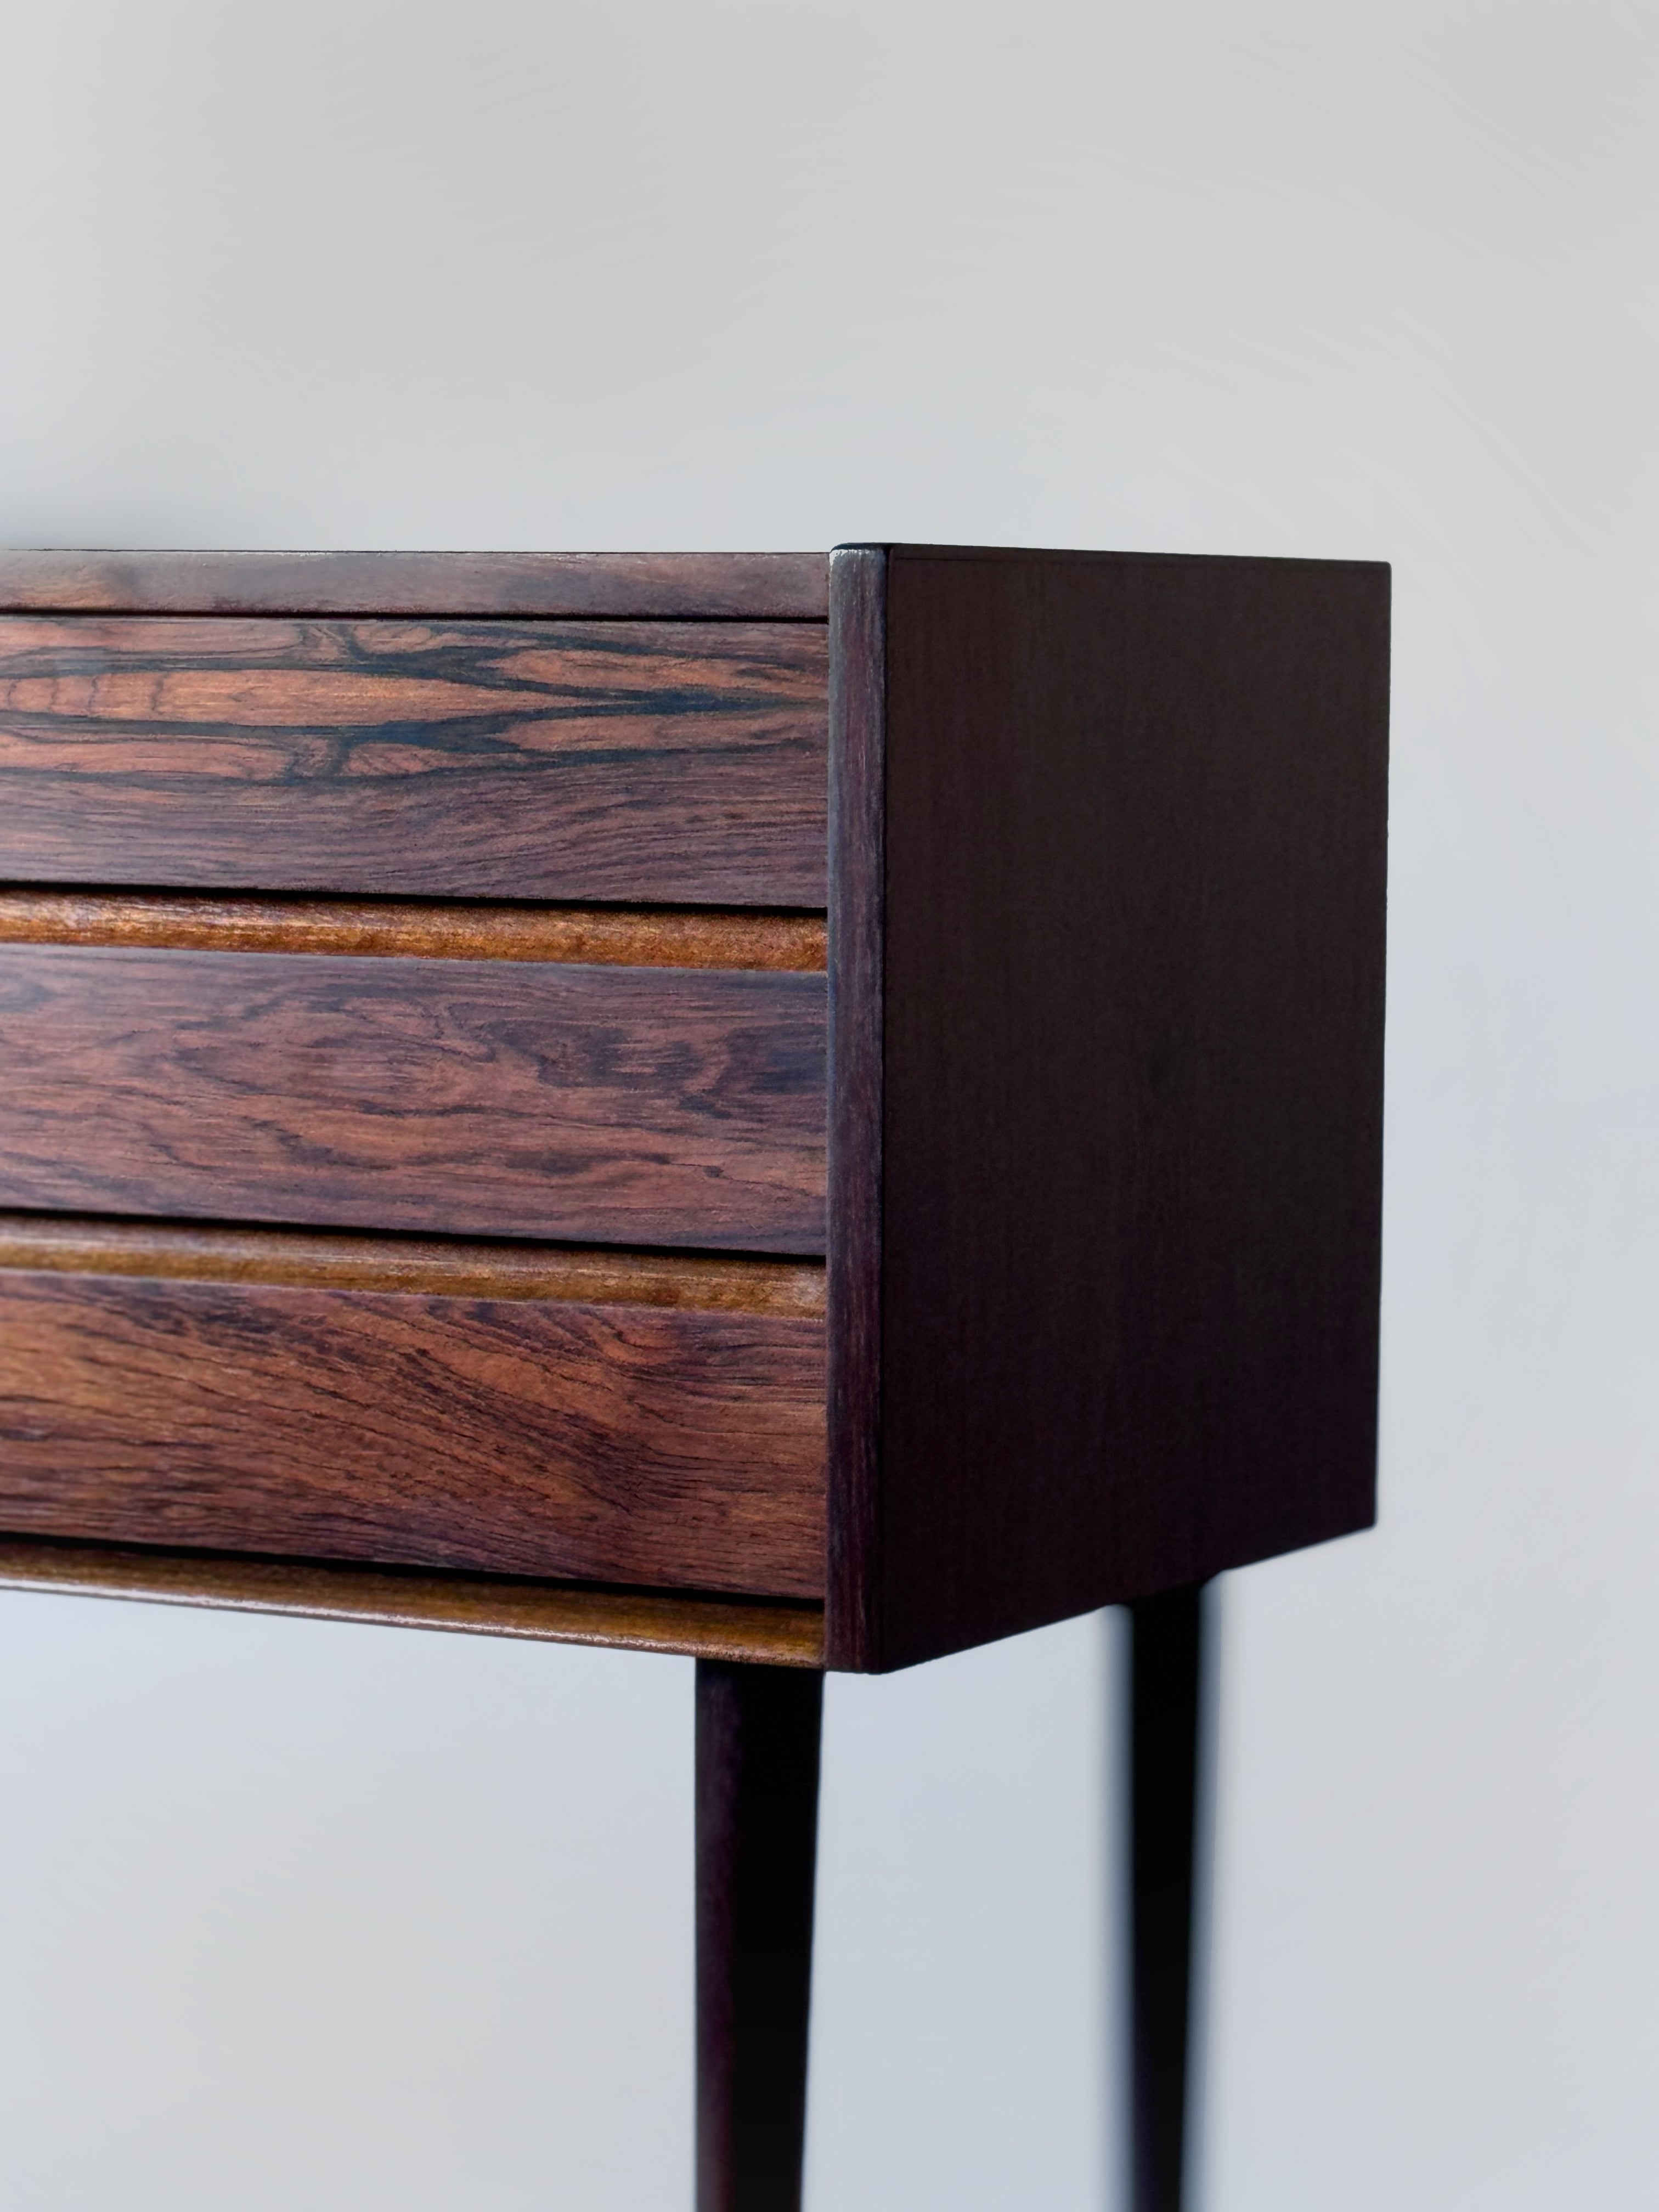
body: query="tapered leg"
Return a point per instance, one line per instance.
(1166, 1668)
(758, 1808)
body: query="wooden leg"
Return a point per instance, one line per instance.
(1166, 1667)
(758, 1808)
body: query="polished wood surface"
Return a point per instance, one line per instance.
(858, 877)
(755, 587)
(642, 1443)
(97, 1245)
(626, 1105)
(758, 1735)
(1131, 1025)
(400, 928)
(767, 1634)
(1101, 1118)
(671, 763)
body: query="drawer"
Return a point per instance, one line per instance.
(619, 1418)
(617, 1104)
(673, 762)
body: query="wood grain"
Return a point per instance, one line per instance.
(655, 763)
(393, 928)
(633, 1106)
(777, 1635)
(858, 870)
(1132, 1080)
(752, 586)
(648, 1444)
(96, 1245)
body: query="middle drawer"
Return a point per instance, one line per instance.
(596, 1104)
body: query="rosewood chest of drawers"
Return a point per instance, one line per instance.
(850, 1083)
(797, 1108)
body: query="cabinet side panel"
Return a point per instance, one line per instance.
(1135, 824)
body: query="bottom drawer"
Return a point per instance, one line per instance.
(648, 1420)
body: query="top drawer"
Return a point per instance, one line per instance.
(646, 762)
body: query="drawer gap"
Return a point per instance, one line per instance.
(88, 1244)
(605, 936)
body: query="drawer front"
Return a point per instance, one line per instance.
(641, 1106)
(628, 760)
(634, 1443)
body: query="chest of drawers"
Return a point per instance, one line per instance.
(797, 1108)
(430, 1140)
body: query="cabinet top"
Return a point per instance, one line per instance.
(624, 586)
(742, 586)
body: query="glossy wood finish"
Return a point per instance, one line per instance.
(1167, 1662)
(1131, 1025)
(637, 1620)
(1105, 956)
(396, 928)
(858, 870)
(758, 1733)
(638, 1106)
(674, 763)
(96, 1245)
(749, 586)
(640, 1442)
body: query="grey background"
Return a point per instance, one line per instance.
(300, 1917)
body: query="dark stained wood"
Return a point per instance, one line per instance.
(858, 640)
(648, 761)
(626, 1105)
(750, 586)
(1131, 1124)
(666, 937)
(94, 1245)
(649, 1445)
(1105, 997)
(1167, 1663)
(779, 1635)
(758, 1733)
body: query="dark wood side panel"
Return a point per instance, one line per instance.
(622, 1105)
(622, 937)
(1133, 1030)
(636, 1444)
(745, 586)
(670, 762)
(770, 1633)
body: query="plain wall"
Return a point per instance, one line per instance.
(305, 1919)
